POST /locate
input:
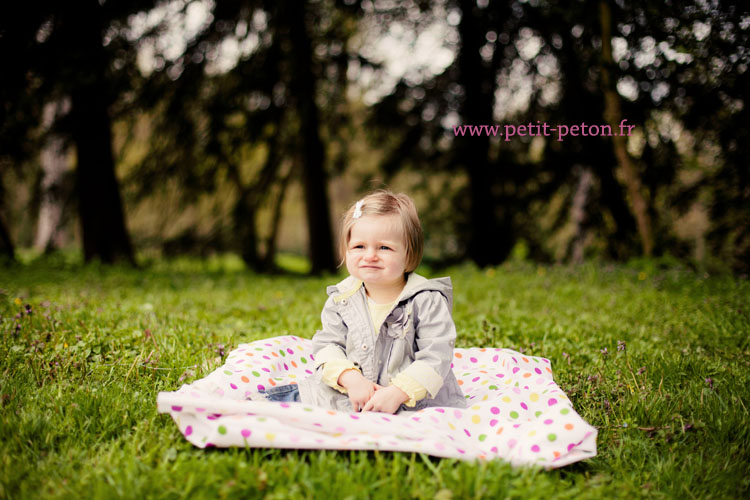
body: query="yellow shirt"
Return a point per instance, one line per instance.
(333, 369)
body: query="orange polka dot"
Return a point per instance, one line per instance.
(458, 355)
(482, 371)
(270, 381)
(248, 354)
(547, 368)
(483, 349)
(569, 427)
(331, 412)
(245, 379)
(556, 454)
(460, 382)
(526, 375)
(274, 355)
(294, 364)
(500, 430)
(525, 360)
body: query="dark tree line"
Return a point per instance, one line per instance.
(285, 103)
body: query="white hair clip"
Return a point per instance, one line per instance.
(357, 210)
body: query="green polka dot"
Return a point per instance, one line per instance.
(482, 437)
(281, 351)
(493, 387)
(551, 437)
(261, 419)
(537, 413)
(514, 414)
(258, 348)
(222, 429)
(307, 409)
(227, 372)
(303, 360)
(564, 411)
(256, 374)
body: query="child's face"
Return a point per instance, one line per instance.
(376, 253)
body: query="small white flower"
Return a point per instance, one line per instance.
(357, 210)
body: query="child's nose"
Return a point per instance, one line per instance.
(371, 253)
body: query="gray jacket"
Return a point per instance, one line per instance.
(417, 337)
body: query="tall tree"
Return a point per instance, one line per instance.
(100, 210)
(295, 18)
(613, 116)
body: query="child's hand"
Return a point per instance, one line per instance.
(359, 388)
(386, 400)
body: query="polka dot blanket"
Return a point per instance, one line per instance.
(515, 410)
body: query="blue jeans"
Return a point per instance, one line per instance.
(283, 393)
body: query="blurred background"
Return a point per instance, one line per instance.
(136, 130)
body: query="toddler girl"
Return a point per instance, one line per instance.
(387, 334)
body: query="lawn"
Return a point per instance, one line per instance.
(655, 356)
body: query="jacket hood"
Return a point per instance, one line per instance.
(414, 284)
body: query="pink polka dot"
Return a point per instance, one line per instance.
(535, 449)
(523, 405)
(538, 371)
(552, 402)
(516, 369)
(493, 449)
(495, 410)
(548, 421)
(473, 360)
(188, 430)
(571, 446)
(233, 386)
(467, 432)
(200, 410)
(457, 414)
(495, 358)
(493, 422)
(177, 408)
(439, 446)
(512, 443)
(289, 351)
(475, 379)
(440, 410)
(354, 417)
(245, 433)
(284, 405)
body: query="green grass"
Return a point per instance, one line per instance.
(80, 374)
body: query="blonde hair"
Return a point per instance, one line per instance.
(384, 202)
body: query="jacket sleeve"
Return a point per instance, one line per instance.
(435, 336)
(329, 343)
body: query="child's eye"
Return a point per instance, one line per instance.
(383, 247)
(358, 246)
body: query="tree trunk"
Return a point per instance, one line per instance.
(270, 254)
(613, 116)
(53, 159)
(490, 240)
(6, 243)
(578, 214)
(99, 204)
(303, 88)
